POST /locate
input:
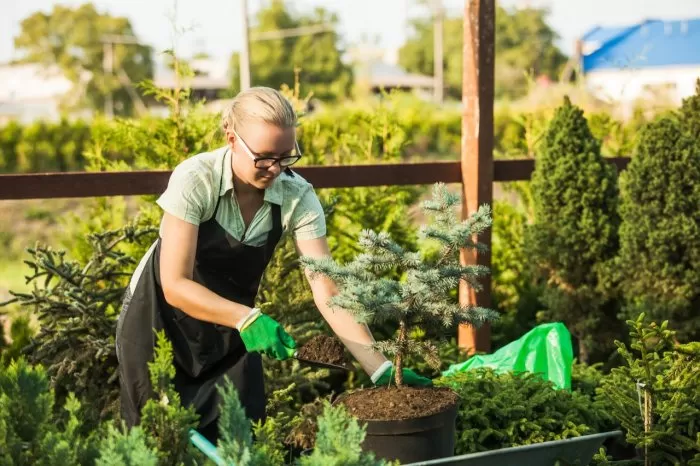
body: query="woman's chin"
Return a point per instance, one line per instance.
(264, 182)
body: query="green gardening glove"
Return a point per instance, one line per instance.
(266, 335)
(409, 378)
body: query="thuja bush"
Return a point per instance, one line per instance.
(511, 409)
(658, 266)
(30, 433)
(574, 233)
(43, 146)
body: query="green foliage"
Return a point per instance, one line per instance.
(154, 142)
(165, 421)
(515, 290)
(236, 440)
(70, 39)
(617, 138)
(574, 234)
(29, 433)
(423, 297)
(525, 43)
(76, 303)
(416, 54)
(655, 395)
(43, 146)
(659, 255)
(585, 378)
(21, 333)
(511, 409)
(338, 441)
(318, 57)
(361, 137)
(126, 447)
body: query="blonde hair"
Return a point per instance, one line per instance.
(259, 103)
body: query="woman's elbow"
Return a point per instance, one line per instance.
(172, 292)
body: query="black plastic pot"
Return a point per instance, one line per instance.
(411, 440)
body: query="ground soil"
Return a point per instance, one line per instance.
(397, 403)
(326, 349)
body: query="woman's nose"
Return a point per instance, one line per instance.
(276, 169)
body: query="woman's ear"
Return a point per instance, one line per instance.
(230, 137)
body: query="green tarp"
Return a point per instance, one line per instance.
(546, 349)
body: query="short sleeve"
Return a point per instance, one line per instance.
(308, 220)
(187, 195)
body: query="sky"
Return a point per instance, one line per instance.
(214, 26)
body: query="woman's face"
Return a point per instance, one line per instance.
(257, 140)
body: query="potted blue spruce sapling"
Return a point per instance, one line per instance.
(410, 423)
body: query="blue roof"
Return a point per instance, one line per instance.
(652, 43)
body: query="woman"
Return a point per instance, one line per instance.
(223, 214)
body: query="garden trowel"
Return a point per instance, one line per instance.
(321, 364)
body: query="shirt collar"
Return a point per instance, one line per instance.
(227, 175)
(274, 194)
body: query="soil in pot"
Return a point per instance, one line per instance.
(324, 349)
(398, 403)
(408, 424)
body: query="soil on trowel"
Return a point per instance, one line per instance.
(398, 403)
(323, 348)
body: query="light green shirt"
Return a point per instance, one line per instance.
(192, 194)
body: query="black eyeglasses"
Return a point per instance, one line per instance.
(266, 163)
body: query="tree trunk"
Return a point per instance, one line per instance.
(399, 354)
(583, 354)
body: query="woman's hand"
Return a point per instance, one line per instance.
(386, 377)
(263, 334)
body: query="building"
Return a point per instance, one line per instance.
(376, 71)
(31, 91)
(654, 59)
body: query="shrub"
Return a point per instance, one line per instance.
(655, 395)
(659, 262)
(29, 431)
(515, 289)
(511, 409)
(77, 303)
(574, 233)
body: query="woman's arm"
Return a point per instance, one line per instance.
(356, 337)
(177, 254)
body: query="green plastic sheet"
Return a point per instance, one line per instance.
(544, 350)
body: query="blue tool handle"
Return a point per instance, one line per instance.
(206, 447)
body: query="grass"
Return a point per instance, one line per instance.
(12, 275)
(22, 224)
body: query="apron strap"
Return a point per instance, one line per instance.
(275, 234)
(221, 181)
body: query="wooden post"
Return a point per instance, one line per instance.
(477, 149)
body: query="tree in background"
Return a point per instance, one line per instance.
(574, 234)
(318, 56)
(71, 38)
(524, 45)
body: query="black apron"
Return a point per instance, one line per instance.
(203, 353)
